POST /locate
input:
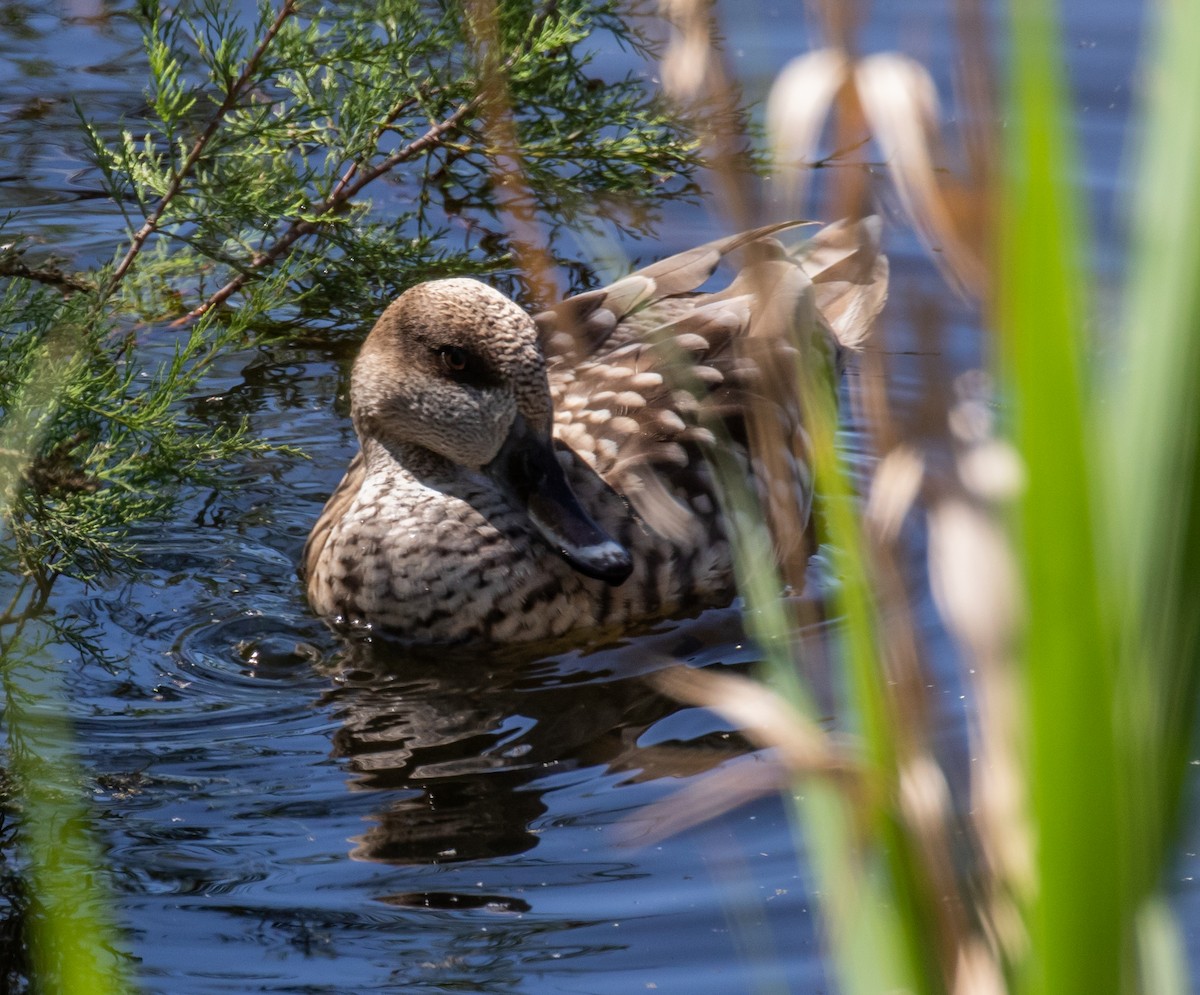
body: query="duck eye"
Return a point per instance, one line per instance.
(465, 367)
(453, 358)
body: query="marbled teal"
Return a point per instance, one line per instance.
(524, 478)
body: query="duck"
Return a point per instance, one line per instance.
(525, 478)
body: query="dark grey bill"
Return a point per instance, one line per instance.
(528, 470)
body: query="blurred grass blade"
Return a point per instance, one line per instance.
(1078, 915)
(866, 888)
(70, 935)
(1161, 950)
(1155, 528)
(866, 931)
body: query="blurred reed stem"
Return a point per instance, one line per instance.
(1154, 466)
(1107, 534)
(1153, 526)
(1068, 647)
(69, 931)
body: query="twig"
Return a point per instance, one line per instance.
(229, 103)
(12, 615)
(352, 171)
(351, 182)
(50, 275)
(349, 185)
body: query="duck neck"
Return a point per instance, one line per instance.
(407, 459)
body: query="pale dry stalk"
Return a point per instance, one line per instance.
(515, 199)
(890, 98)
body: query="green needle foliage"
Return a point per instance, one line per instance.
(262, 143)
(95, 435)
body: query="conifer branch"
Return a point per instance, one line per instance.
(236, 189)
(232, 96)
(350, 184)
(51, 276)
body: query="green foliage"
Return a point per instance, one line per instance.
(261, 141)
(1155, 465)
(1069, 639)
(71, 944)
(1108, 531)
(95, 435)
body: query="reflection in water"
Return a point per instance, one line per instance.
(466, 746)
(451, 901)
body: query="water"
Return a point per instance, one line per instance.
(283, 813)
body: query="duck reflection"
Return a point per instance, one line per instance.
(465, 744)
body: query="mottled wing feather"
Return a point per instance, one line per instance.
(686, 373)
(335, 508)
(687, 270)
(648, 373)
(584, 324)
(577, 326)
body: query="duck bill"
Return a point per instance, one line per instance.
(527, 469)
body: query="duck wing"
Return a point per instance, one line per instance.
(649, 375)
(335, 508)
(849, 275)
(578, 326)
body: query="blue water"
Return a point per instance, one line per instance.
(284, 813)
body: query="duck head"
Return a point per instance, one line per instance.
(454, 369)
